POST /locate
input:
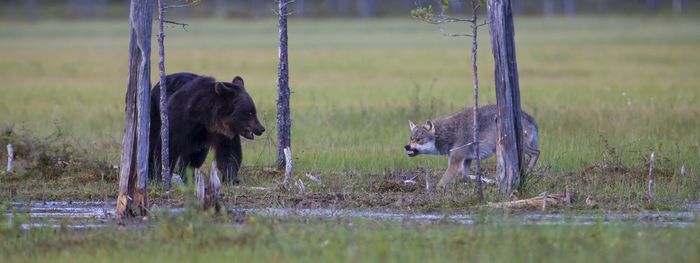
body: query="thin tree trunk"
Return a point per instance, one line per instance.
(570, 7)
(30, 8)
(679, 6)
(519, 6)
(603, 6)
(509, 128)
(650, 184)
(284, 122)
(652, 5)
(475, 68)
(548, 8)
(134, 157)
(165, 124)
(10, 158)
(301, 8)
(221, 8)
(366, 8)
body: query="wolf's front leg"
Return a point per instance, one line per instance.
(454, 167)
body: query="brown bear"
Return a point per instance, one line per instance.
(203, 113)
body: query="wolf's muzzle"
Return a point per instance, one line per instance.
(410, 152)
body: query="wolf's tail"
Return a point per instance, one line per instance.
(534, 137)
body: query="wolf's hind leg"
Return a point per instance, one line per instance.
(466, 168)
(533, 154)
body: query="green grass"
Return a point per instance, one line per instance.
(632, 82)
(292, 240)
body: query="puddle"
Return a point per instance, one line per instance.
(86, 215)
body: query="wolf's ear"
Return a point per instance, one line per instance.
(411, 124)
(430, 127)
(238, 81)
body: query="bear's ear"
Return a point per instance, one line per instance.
(221, 88)
(238, 81)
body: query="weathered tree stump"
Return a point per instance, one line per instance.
(509, 147)
(133, 168)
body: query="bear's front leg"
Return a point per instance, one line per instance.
(229, 158)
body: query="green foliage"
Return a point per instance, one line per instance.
(422, 13)
(269, 240)
(445, 4)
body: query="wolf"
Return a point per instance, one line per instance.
(452, 135)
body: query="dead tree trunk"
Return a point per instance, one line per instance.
(366, 8)
(509, 148)
(284, 122)
(570, 7)
(475, 69)
(548, 8)
(164, 123)
(30, 8)
(652, 5)
(133, 173)
(10, 158)
(679, 6)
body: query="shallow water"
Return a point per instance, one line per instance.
(82, 215)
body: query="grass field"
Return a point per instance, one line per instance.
(291, 240)
(606, 92)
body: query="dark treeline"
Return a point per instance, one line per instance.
(98, 9)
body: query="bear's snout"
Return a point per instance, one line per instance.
(260, 131)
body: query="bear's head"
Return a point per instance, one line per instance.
(234, 111)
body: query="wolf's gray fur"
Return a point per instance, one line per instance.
(452, 135)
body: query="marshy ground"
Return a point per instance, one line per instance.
(606, 92)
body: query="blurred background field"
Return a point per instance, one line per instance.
(604, 87)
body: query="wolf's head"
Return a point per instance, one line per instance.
(422, 139)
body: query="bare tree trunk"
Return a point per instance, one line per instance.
(679, 6)
(256, 7)
(570, 7)
(10, 158)
(164, 123)
(519, 6)
(301, 8)
(509, 128)
(548, 8)
(652, 5)
(284, 122)
(603, 6)
(650, 184)
(331, 7)
(287, 167)
(134, 158)
(366, 8)
(30, 8)
(221, 8)
(475, 69)
(406, 4)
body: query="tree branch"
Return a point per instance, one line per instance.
(184, 25)
(448, 34)
(175, 6)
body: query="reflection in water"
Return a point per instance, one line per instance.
(78, 215)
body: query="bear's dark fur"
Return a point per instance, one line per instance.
(203, 113)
